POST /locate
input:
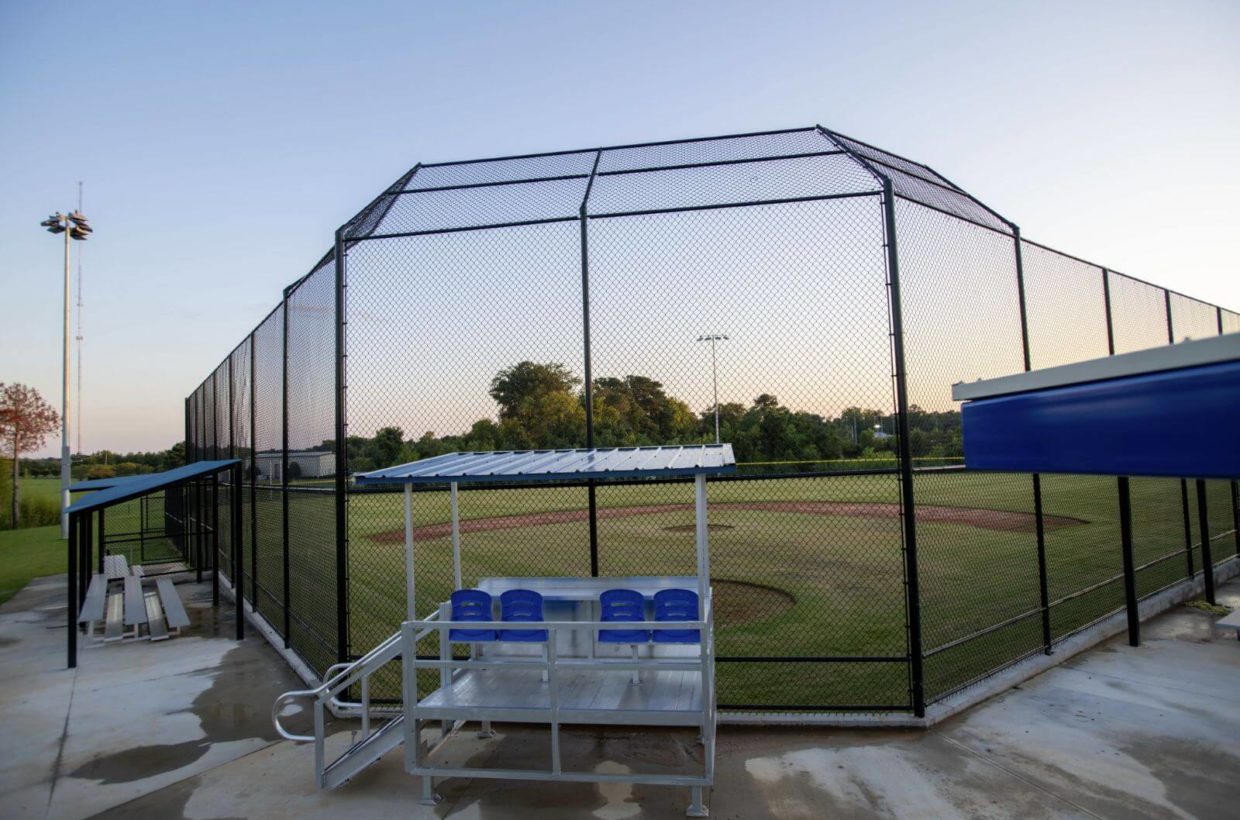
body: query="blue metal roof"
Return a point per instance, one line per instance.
(102, 483)
(132, 487)
(1175, 423)
(559, 465)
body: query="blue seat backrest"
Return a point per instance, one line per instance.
(676, 605)
(471, 605)
(523, 605)
(622, 605)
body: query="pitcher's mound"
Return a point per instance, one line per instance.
(739, 602)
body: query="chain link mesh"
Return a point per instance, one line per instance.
(465, 285)
(268, 448)
(311, 494)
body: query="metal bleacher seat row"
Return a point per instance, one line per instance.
(124, 609)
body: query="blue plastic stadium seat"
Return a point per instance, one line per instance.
(471, 605)
(676, 605)
(521, 605)
(620, 605)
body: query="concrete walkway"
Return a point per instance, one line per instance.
(181, 728)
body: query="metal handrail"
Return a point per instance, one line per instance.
(337, 678)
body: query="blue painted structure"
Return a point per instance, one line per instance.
(1175, 418)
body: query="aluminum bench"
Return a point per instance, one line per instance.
(135, 605)
(92, 610)
(174, 609)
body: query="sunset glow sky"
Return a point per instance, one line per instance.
(221, 145)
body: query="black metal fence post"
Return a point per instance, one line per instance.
(342, 466)
(1188, 527)
(591, 493)
(252, 469)
(908, 507)
(1039, 522)
(1207, 559)
(233, 489)
(1130, 576)
(1106, 299)
(284, 470)
(1235, 513)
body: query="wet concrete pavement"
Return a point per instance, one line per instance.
(181, 729)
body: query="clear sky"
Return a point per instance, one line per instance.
(221, 144)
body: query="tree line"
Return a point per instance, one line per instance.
(542, 405)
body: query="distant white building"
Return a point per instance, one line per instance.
(310, 464)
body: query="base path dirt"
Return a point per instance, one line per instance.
(1000, 520)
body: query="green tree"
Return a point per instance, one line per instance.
(538, 406)
(513, 386)
(637, 410)
(386, 447)
(25, 422)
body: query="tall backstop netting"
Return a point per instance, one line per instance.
(803, 295)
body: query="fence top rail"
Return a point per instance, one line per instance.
(1211, 350)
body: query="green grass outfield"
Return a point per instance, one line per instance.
(844, 572)
(26, 554)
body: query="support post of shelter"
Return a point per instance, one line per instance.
(102, 539)
(78, 542)
(75, 549)
(410, 610)
(238, 577)
(702, 533)
(456, 535)
(1207, 559)
(199, 555)
(1130, 580)
(215, 542)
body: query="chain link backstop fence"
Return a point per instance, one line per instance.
(803, 295)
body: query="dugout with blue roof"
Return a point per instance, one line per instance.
(189, 521)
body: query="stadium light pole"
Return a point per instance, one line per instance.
(714, 370)
(74, 226)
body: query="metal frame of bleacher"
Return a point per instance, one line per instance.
(520, 682)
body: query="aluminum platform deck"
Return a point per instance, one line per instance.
(588, 696)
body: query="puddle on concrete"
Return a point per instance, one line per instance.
(231, 708)
(619, 796)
